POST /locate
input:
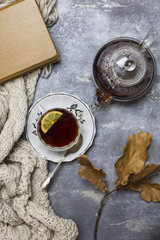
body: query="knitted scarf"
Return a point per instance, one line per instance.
(25, 211)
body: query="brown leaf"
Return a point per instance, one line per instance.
(134, 157)
(148, 191)
(91, 173)
(146, 171)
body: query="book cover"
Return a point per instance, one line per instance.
(25, 43)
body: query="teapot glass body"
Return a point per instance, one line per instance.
(124, 69)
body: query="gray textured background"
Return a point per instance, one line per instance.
(83, 27)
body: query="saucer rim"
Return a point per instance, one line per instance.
(77, 98)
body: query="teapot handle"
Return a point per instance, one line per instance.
(148, 39)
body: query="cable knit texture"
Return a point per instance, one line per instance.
(25, 211)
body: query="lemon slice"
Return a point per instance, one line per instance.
(49, 119)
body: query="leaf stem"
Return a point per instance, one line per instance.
(100, 211)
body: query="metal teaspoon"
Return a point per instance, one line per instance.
(73, 149)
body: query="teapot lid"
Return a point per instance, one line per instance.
(127, 66)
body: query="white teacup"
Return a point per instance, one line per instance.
(63, 134)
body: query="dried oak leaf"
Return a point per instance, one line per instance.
(145, 172)
(91, 173)
(134, 157)
(148, 191)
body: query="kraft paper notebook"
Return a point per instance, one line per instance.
(25, 43)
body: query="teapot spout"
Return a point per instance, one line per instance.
(148, 39)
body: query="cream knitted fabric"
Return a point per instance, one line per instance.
(25, 212)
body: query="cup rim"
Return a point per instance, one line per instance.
(63, 148)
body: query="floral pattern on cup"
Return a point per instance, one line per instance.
(79, 113)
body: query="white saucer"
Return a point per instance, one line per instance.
(76, 106)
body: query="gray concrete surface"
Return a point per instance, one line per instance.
(83, 27)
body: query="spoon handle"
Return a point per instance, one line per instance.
(47, 180)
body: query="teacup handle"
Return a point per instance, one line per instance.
(100, 99)
(39, 114)
(148, 39)
(41, 109)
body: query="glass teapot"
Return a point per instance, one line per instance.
(124, 69)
